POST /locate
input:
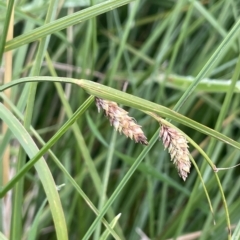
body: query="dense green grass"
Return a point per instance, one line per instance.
(178, 59)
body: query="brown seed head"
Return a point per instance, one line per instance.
(177, 146)
(120, 120)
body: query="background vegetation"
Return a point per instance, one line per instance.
(156, 50)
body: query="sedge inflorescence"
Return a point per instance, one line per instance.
(177, 146)
(172, 139)
(121, 121)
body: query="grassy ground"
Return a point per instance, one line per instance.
(177, 59)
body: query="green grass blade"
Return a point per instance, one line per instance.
(32, 234)
(126, 99)
(142, 104)
(64, 22)
(210, 18)
(112, 224)
(16, 221)
(41, 167)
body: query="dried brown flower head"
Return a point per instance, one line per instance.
(177, 146)
(120, 120)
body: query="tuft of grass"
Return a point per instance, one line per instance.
(177, 60)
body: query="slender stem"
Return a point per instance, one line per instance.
(108, 93)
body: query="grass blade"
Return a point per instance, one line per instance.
(41, 167)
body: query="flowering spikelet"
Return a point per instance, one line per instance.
(177, 146)
(121, 121)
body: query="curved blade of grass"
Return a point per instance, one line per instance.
(46, 147)
(112, 224)
(41, 167)
(64, 22)
(204, 186)
(126, 99)
(16, 221)
(142, 104)
(30, 18)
